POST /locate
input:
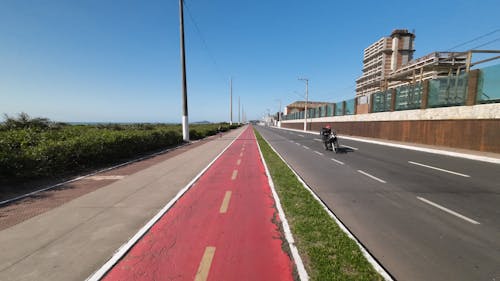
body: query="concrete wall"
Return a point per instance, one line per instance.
(469, 127)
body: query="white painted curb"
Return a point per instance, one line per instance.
(286, 228)
(365, 252)
(129, 244)
(416, 148)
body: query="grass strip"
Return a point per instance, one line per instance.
(327, 252)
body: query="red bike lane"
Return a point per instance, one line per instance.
(223, 228)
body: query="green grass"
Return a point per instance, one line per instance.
(327, 252)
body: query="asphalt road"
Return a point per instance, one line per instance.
(423, 216)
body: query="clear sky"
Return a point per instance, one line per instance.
(118, 61)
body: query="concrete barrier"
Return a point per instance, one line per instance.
(467, 127)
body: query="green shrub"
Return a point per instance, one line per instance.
(37, 151)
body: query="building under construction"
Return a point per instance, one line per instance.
(388, 63)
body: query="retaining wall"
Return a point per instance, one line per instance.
(468, 127)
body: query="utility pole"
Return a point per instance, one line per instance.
(185, 121)
(239, 111)
(231, 101)
(307, 96)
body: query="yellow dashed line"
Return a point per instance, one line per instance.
(206, 262)
(225, 202)
(239, 162)
(241, 154)
(235, 174)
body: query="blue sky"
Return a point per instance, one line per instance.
(118, 61)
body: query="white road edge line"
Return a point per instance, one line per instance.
(373, 177)
(305, 147)
(335, 160)
(376, 265)
(317, 152)
(286, 228)
(99, 274)
(301, 135)
(447, 210)
(439, 169)
(353, 148)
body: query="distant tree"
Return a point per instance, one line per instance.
(23, 120)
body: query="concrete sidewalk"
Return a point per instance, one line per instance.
(73, 240)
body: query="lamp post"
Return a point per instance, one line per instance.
(231, 101)
(279, 113)
(307, 96)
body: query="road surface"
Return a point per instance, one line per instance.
(423, 216)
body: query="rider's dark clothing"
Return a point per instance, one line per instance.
(325, 133)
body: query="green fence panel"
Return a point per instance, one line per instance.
(382, 101)
(338, 109)
(408, 97)
(448, 91)
(488, 89)
(323, 111)
(349, 107)
(329, 110)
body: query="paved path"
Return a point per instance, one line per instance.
(72, 241)
(223, 228)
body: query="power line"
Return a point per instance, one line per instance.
(205, 45)
(475, 39)
(487, 43)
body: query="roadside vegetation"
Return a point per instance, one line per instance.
(327, 252)
(37, 147)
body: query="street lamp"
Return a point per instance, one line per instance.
(279, 112)
(307, 96)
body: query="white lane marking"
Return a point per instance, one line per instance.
(340, 162)
(318, 140)
(317, 152)
(447, 210)
(305, 147)
(439, 169)
(297, 143)
(301, 135)
(373, 177)
(353, 148)
(291, 141)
